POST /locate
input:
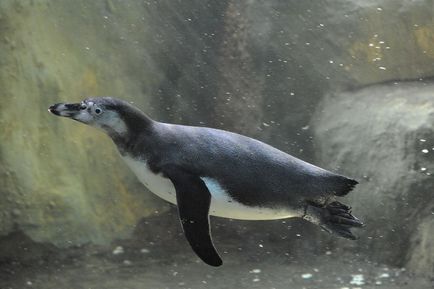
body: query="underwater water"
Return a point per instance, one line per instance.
(343, 84)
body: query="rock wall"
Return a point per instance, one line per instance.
(383, 136)
(63, 182)
(420, 257)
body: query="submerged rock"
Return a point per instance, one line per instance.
(374, 135)
(64, 183)
(421, 253)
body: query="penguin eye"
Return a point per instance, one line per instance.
(98, 110)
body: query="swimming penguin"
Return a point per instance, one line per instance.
(206, 171)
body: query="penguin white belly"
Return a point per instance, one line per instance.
(222, 205)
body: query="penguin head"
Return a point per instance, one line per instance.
(104, 113)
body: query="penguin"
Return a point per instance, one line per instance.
(207, 171)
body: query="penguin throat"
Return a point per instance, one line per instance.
(116, 127)
(129, 129)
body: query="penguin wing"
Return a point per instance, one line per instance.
(193, 200)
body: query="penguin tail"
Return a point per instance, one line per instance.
(335, 218)
(342, 185)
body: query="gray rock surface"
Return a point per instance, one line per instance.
(383, 136)
(421, 253)
(62, 182)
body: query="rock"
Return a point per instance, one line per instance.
(144, 251)
(16, 212)
(383, 136)
(286, 55)
(345, 42)
(67, 180)
(421, 253)
(18, 248)
(118, 250)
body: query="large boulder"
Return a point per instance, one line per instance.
(383, 136)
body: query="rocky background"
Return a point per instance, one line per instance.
(344, 84)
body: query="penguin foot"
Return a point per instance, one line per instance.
(334, 218)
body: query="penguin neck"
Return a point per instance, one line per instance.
(138, 127)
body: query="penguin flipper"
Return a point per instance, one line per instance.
(194, 200)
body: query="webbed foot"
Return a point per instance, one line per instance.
(334, 218)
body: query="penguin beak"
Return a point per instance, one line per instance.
(65, 109)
